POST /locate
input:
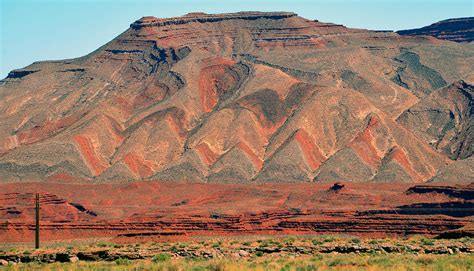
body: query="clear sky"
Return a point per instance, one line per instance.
(32, 30)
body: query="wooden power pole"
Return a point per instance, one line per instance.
(37, 208)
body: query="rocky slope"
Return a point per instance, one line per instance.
(458, 30)
(445, 120)
(265, 97)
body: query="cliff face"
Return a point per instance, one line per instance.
(458, 30)
(267, 97)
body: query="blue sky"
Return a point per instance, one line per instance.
(32, 30)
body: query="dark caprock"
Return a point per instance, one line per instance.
(37, 208)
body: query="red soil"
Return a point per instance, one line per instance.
(257, 162)
(208, 156)
(363, 144)
(176, 126)
(75, 211)
(402, 159)
(49, 128)
(312, 153)
(138, 165)
(209, 78)
(87, 150)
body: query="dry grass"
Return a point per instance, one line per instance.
(164, 256)
(315, 262)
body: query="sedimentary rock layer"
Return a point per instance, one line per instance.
(244, 97)
(170, 210)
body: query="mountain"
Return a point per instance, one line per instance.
(242, 97)
(458, 30)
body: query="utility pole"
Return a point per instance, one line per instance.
(37, 233)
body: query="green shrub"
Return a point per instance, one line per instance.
(466, 240)
(310, 267)
(162, 257)
(355, 241)
(216, 266)
(317, 242)
(337, 262)
(102, 245)
(259, 253)
(216, 244)
(347, 260)
(263, 244)
(381, 261)
(424, 261)
(123, 261)
(289, 240)
(173, 267)
(329, 240)
(252, 265)
(427, 242)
